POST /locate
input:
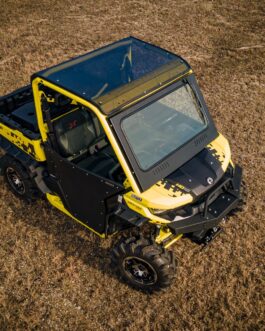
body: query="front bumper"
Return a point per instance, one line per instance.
(215, 206)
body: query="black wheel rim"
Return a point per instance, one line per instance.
(15, 181)
(140, 271)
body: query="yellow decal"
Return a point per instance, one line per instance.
(31, 147)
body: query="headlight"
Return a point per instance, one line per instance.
(170, 214)
(157, 211)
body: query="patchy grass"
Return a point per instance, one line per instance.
(56, 276)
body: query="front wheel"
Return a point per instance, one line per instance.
(144, 264)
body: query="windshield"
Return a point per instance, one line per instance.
(157, 130)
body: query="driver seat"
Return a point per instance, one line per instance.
(75, 132)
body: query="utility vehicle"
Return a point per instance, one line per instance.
(121, 140)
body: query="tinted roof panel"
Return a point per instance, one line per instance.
(120, 67)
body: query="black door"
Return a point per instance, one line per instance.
(83, 193)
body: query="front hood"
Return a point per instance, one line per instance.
(192, 179)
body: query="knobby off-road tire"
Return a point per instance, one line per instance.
(19, 181)
(144, 264)
(244, 197)
(242, 205)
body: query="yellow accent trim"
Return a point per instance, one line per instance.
(158, 197)
(37, 98)
(141, 209)
(22, 142)
(171, 242)
(102, 118)
(126, 184)
(57, 203)
(222, 148)
(60, 116)
(164, 234)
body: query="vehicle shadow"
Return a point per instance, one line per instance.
(68, 236)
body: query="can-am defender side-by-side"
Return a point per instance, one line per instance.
(121, 140)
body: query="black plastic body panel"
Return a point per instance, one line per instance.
(123, 218)
(15, 99)
(193, 174)
(15, 108)
(26, 116)
(176, 159)
(83, 193)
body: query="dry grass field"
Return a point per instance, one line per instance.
(54, 275)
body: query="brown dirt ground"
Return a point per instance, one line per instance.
(56, 276)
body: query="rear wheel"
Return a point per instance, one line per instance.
(18, 180)
(144, 264)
